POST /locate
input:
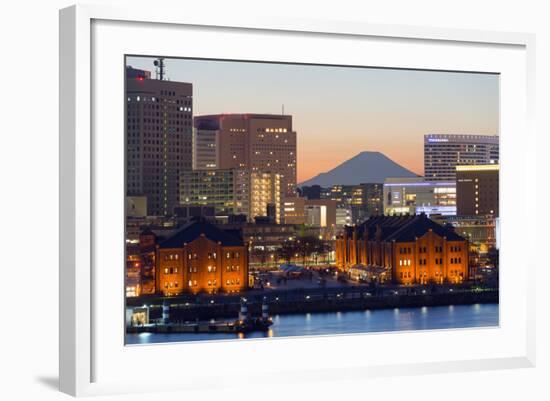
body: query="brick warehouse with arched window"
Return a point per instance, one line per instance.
(411, 249)
(201, 257)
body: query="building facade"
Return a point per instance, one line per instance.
(256, 142)
(266, 192)
(363, 200)
(136, 206)
(404, 250)
(313, 212)
(233, 192)
(320, 212)
(417, 195)
(477, 190)
(366, 200)
(226, 190)
(205, 149)
(442, 153)
(158, 139)
(343, 217)
(201, 257)
(294, 210)
(481, 233)
(311, 192)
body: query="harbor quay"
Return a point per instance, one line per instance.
(203, 307)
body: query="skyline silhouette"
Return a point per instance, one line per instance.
(339, 112)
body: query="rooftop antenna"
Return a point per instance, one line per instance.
(159, 70)
(283, 109)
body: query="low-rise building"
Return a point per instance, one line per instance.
(416, 196)
(343, 217)
(201, 257)
(294, 210)
(312, 212)
(412, 249)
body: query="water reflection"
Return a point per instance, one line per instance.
(421, 318)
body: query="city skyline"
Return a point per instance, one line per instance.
(220, 244)
(384, 110)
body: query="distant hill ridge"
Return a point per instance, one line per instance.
(366, 167)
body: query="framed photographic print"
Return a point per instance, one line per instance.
(345, 195)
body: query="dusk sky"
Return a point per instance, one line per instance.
(340, 111)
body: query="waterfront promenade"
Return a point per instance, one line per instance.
(296, 300)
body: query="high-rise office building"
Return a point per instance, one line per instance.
(477, 190)
(442, 153)
(158, 139)
(206, 148)
(256, 142)
(226, 190)
(135, 73)
(234, 192)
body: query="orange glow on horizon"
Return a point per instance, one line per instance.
(314, 162)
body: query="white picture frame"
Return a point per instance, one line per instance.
(85, 354)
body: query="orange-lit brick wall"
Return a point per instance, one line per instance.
(201, 266)
(428, 259)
